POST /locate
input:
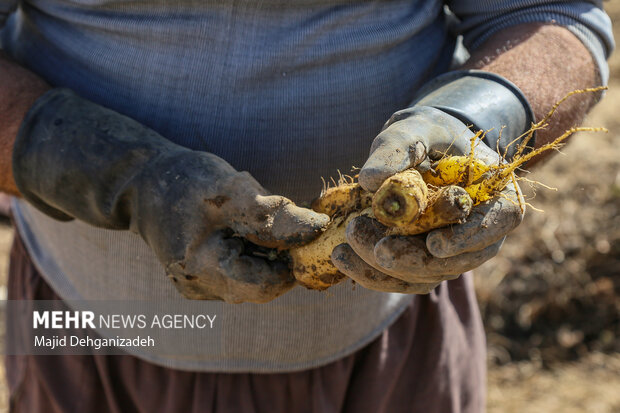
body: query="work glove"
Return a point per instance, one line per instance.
(441, 121)
(205, 221)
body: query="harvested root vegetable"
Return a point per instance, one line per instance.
(454, 170)
(342, 199)
(400, 199)
(312, 264)
(410, 203)
(449, 205)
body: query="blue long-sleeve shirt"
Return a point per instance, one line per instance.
(290, 91)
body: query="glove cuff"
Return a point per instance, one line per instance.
(75, 159)
(487, 102)
(24, 159)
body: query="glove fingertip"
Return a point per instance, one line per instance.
(370, 178)
(305, 226)
(341, 257)
(364, 229)
(281, 224)
(393, 155)
(438, 245)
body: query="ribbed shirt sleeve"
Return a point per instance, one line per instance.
(479, 19)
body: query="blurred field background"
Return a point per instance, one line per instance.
(551, 299)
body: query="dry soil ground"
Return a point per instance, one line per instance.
(551, 299)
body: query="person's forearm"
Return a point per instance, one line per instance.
(545, 62)
(19, 88)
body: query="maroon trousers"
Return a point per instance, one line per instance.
(417, 365)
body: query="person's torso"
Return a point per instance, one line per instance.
(289, 91)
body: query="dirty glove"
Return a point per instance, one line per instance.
(75, 159)
(441, 121)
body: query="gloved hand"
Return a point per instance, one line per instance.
(435, 125)
(75, 159)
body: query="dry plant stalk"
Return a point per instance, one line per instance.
(412, 203)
